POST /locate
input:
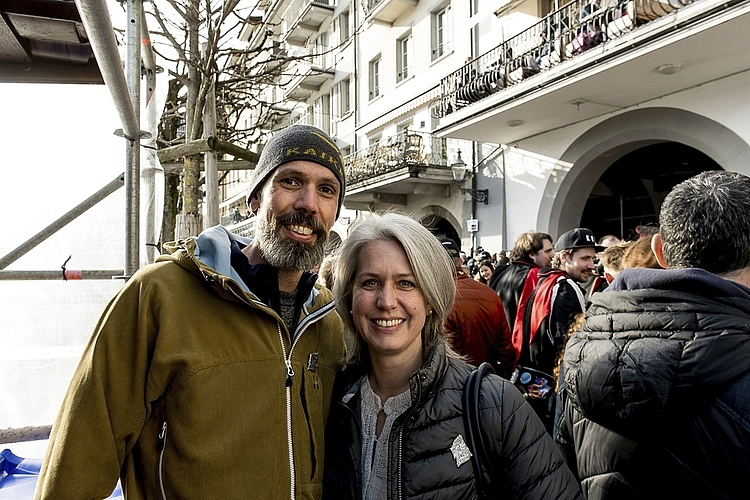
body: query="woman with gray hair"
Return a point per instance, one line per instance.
(396, 427)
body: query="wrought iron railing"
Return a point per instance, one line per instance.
(245, 227)
(369, 5)
(406, 149)
(563, 34)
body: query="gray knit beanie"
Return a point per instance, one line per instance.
(298, 142)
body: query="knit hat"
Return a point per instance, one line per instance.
(298, 142)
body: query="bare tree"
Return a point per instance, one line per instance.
(199, 39)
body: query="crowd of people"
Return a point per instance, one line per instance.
(229, 370)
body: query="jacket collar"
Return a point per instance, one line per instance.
(421, 383)
(428, 377)
(209, 256)
(696, 281)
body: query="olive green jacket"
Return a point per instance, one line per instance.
(190, 388)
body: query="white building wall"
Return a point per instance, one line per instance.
(535, 168)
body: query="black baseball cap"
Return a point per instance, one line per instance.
(579, 237)
(450, 246)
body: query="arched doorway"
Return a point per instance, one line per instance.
(440, 222)
(596, 151)
(630, 192)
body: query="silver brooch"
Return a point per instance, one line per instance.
(461, 452)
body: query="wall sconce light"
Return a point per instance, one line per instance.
(459, 170)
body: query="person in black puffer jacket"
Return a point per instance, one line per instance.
(395, 429)
(657, 377)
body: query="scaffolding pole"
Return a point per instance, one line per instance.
(62, 274)
(125, 94)
(133, 146)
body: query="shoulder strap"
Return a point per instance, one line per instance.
(480, 458)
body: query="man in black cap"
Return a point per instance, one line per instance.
(219, 358)
(553, 306)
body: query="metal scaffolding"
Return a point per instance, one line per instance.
(124, 87)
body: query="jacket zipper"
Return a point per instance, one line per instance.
(161, 447)
(289, 373)
(401, 437)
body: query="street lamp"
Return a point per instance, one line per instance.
(459, 169)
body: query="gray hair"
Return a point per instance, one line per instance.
(430, 264)
(705, 223)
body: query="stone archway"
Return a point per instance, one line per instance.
(567, 191)
(441, 221)
(631, 191)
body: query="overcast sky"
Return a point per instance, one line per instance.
(58, 148)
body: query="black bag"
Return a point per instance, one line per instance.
(480, 458)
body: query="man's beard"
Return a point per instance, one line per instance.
(287, 254)
(581, 276)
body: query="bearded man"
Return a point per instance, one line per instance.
(551, 309)
(210, 373)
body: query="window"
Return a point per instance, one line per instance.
(374, 78)
(474, 34)
(345, 102)
(321, 55)
(441, 32)
(342, 27)
(403, 54)
(402, 128)
(322, 113)
(341, 98)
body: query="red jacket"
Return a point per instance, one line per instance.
(478, 328)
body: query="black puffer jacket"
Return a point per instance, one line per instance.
(421, 465)
(657, 390)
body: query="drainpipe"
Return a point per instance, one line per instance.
(505, 204)
(474, 173)
(356, 84)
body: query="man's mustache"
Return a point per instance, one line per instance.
(302, 218)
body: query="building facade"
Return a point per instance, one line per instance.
(553, 115)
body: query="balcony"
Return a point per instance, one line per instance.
(575, 64)
(386, 12)
(407, 163)
(310, 77)
(303, 18)
(320, 120)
